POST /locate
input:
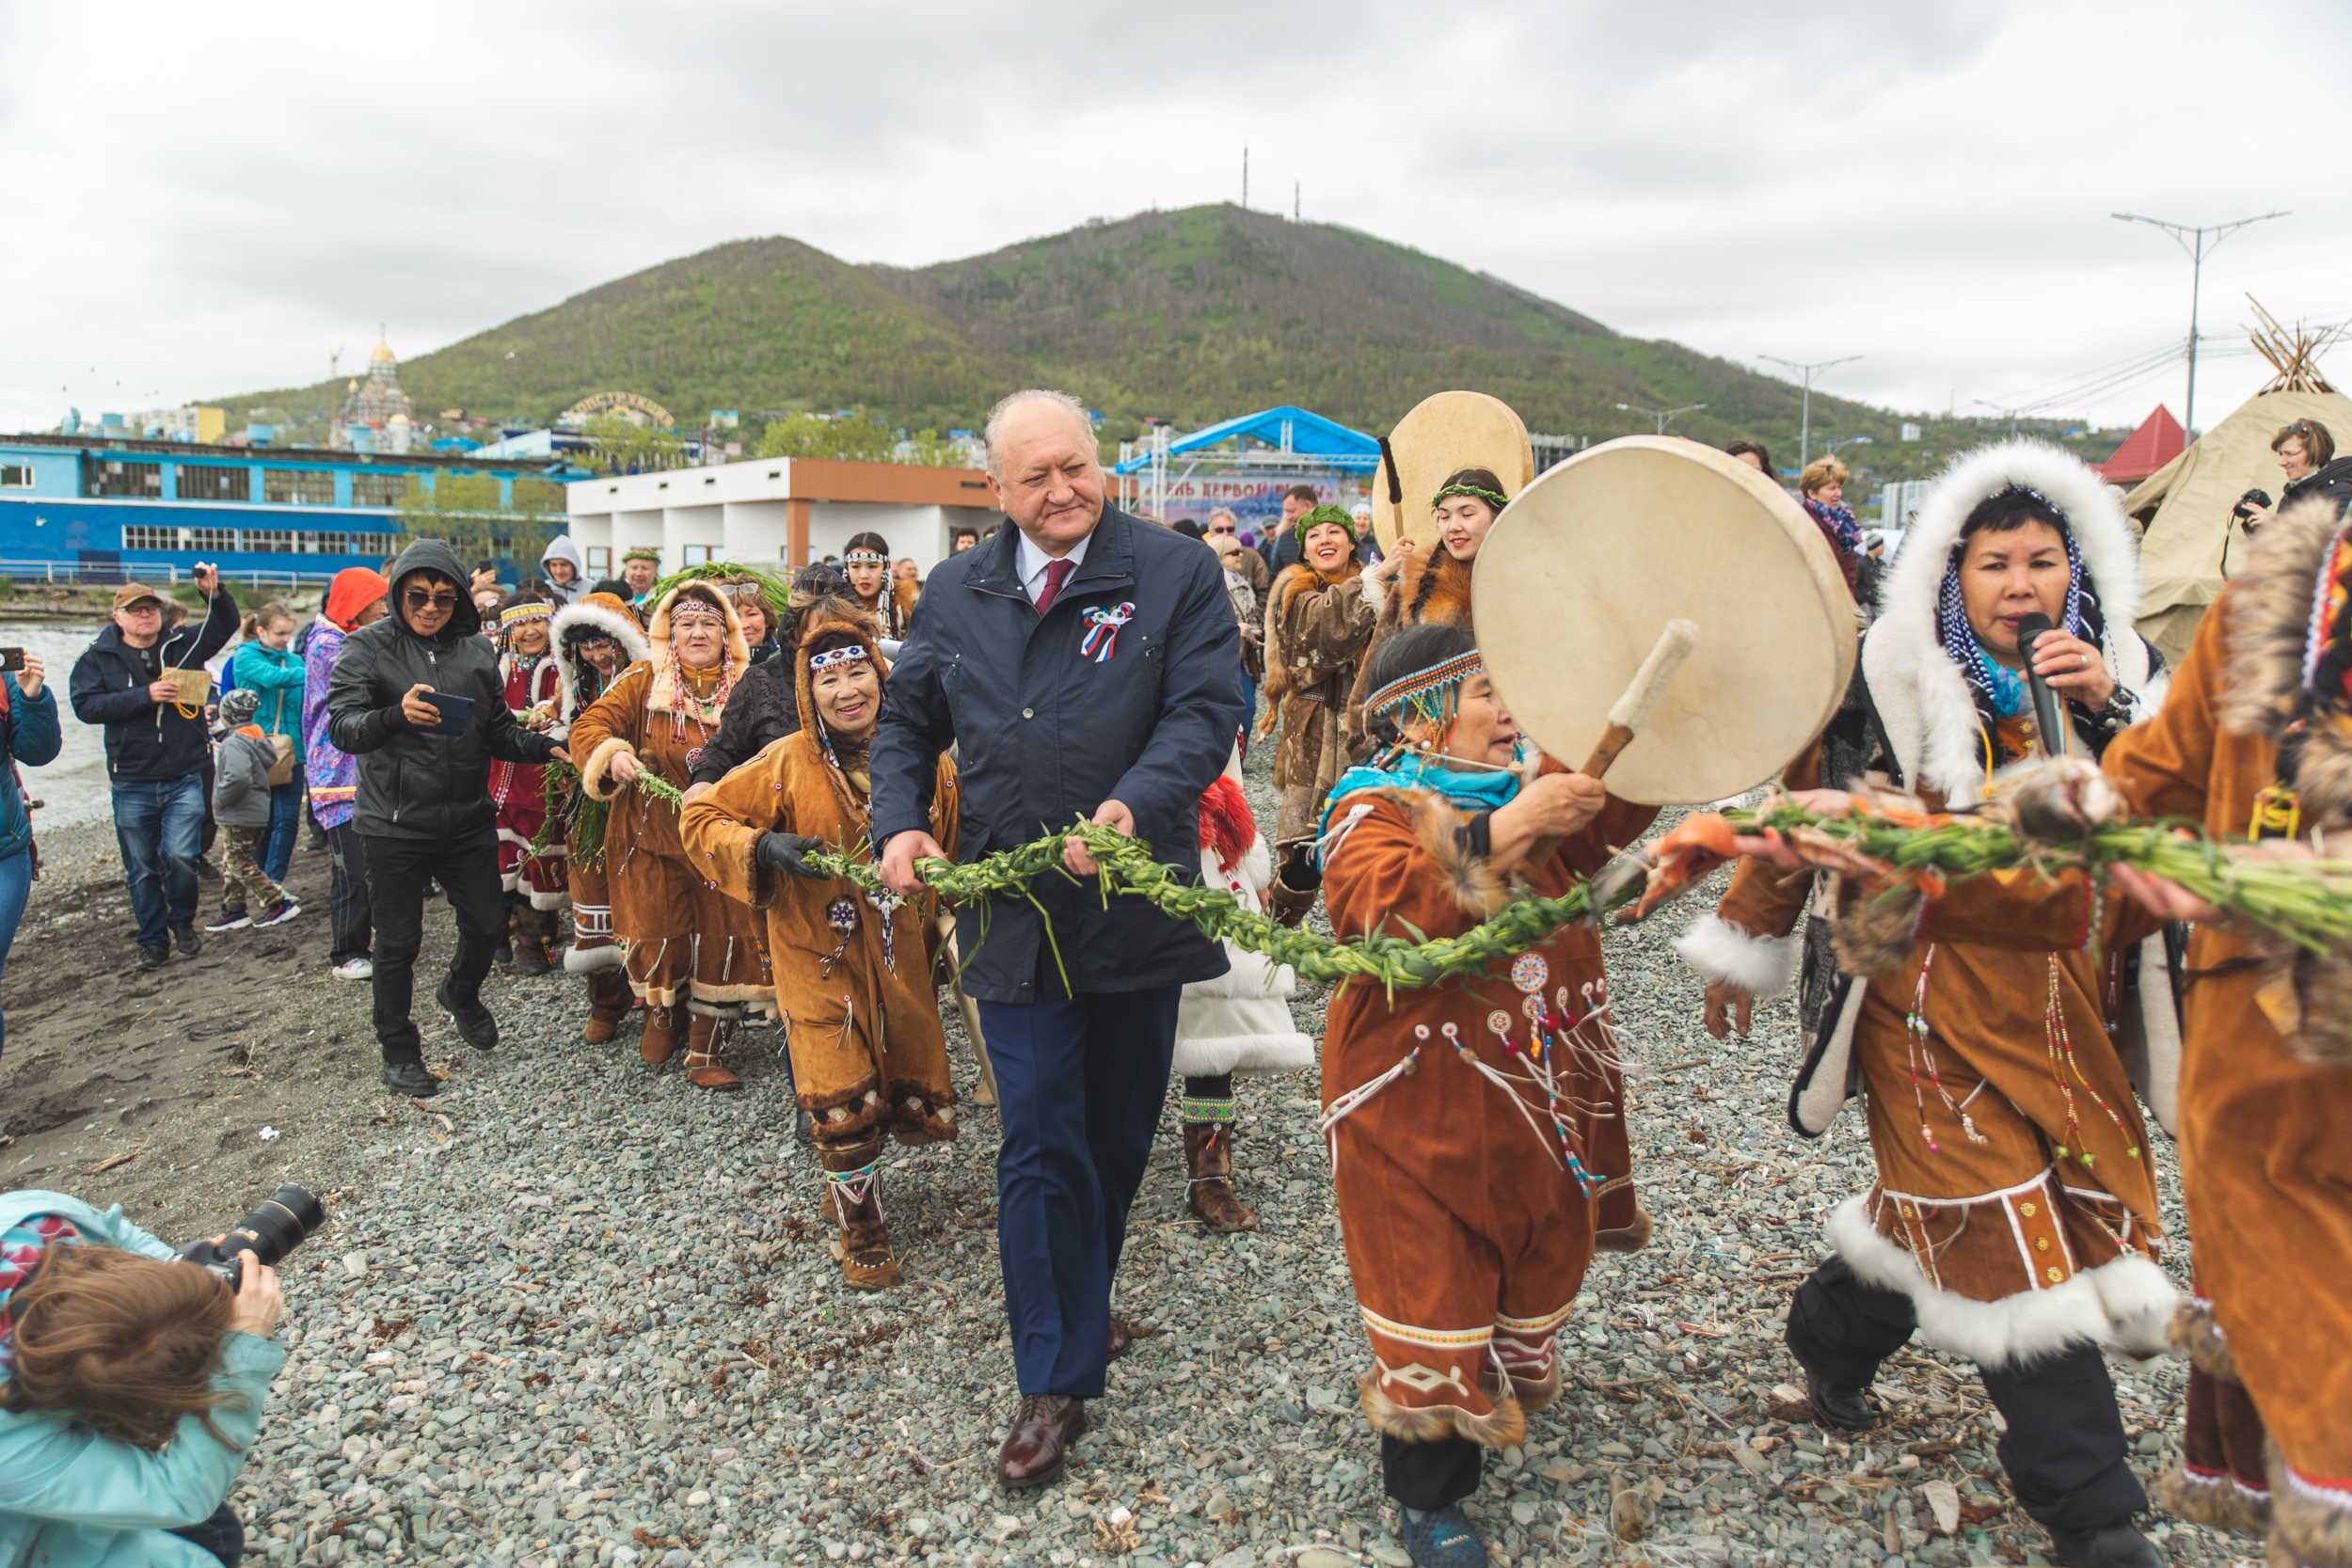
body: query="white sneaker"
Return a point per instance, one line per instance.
(356, 968)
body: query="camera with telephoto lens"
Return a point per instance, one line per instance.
(2248, 502)
(277, 1224)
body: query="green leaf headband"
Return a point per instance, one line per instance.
(1492, 497)
(1316, 519)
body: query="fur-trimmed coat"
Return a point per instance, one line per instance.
(852, 973)
(1433, 586)
(2021, 1216)
(2265, 1083)
(1317, 629)
(1239, 1021)
(686, 941)
(1467, 1238)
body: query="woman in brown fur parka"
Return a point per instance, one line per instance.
(1431, 583)
(1319, 621)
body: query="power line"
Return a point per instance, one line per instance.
(1804, 429)
(2181, 233)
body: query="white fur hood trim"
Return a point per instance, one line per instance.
(623, 629)
(1724, 952)
(1920, 695)
(2124, 1305)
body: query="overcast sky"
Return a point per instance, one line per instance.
(206, 200)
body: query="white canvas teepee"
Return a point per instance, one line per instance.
(2183, 507)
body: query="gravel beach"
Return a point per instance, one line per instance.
(574, 1311)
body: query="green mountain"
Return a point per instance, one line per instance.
(1189, 316)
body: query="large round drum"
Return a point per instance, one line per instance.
(1580, 574)
(1444, 433)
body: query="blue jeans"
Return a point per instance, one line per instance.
(157, 826)
(285, 825)
(16, 886)
(1079, 1087)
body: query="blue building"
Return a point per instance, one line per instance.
(92, 508)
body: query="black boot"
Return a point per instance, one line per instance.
(2116, 1545)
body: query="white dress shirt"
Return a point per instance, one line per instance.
(1033, 562)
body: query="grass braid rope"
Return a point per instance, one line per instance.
(2305, 901)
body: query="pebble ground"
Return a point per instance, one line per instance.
(574, 1311)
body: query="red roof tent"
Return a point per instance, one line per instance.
(2158, 441)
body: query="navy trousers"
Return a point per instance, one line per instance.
(1080, 1083)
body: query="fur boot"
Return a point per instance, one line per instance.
(608, 1003)
(528, 931)
(705, 1048)
(1209, 1168)
(660, 1042)
(853, 1198)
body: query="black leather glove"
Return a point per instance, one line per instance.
(782, 852)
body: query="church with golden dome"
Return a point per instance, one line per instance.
(376, 414)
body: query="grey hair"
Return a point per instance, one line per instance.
(1013, 402)
(1224, 512)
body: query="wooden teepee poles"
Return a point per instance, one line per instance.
(2293, 353)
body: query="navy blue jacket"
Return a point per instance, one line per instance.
(29, 735)
(1046, 735)
(148, 741)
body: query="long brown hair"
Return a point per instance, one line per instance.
(124, 1345)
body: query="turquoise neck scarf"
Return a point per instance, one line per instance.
(1473, 792)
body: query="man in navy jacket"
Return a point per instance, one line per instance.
(156, 749)
(1126, 729)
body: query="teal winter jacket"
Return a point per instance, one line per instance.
(70, 1499)
(276, 675)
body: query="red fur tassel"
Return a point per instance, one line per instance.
(1226, 826)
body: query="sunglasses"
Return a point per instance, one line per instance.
(420, 600)
(1215, 528)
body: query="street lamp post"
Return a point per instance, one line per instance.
(1662, 415)
(1804, 433)
(2184, 235)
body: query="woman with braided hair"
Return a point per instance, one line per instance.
(535, 883)
(597, 637)
(690, 948)
(853, 973)
(889, 600)
(1424, 585)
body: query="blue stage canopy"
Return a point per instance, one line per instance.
(1288, 435)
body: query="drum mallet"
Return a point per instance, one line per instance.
(1641, 698)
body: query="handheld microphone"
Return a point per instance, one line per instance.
(2048, 712)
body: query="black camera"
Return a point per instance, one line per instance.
(2248, 502)
(277, 1225)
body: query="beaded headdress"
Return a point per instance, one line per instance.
(833, 658)
(1428, 694)
(866, 557)
(530, 610)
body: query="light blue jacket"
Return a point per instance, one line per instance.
(70, 1499)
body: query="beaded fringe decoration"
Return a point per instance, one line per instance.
(1204, 1110)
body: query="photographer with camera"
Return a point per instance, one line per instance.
(130, 1385)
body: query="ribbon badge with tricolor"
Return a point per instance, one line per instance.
(1102, 631)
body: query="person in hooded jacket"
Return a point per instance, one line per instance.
(595, 639)
(357, 596)
(561, 571)
(423, 808)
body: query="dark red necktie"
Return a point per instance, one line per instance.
(1057, 573)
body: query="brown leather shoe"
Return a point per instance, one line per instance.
(608, 1004)
(660, 1042)
(1122, 1338)
(1041, 1438)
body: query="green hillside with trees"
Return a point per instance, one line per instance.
(1187, 316)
